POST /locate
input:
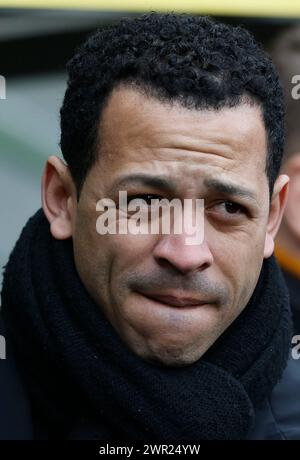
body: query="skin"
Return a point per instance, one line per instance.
(191, 149)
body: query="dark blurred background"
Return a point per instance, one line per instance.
(35, 43)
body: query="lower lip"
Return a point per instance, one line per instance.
(166, 304)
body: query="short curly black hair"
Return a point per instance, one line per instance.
(196, 60)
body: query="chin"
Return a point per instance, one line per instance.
(172, 357)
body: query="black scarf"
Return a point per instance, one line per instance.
(84, 382)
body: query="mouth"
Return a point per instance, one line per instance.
(175, 301)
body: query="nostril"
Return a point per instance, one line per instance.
(164, 263)
(177, 268)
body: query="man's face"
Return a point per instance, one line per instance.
(170, 301)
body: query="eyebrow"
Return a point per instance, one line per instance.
(164, 183)
(229, 189)
(147, 180)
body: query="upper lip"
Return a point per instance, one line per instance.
(175, 299)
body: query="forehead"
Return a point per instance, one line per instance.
(139, 133)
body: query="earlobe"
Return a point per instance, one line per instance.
(278, 203)
(269, 246)
(58, 194)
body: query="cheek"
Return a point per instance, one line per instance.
(103, 261)
(92, 255)
(128, 252)
(238, 259)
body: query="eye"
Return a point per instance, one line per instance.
(228, 210)
(233, 208)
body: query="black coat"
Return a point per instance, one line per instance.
(277, 418)
(15, 418)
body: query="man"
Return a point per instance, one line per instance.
(286, 55)
(136, 335)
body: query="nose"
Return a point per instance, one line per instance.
(173, 250)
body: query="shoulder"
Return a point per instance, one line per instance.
(279, 416)
(15, 418)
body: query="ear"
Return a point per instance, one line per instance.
(292, 210)
(277, 206)
(58, 198)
